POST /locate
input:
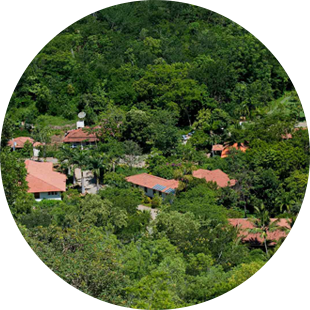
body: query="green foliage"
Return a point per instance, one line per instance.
(123, 198)
(27, 150)
(156, 201)
(147, 73)
(85, 257)
(115, 179)
(7, 131)
(14, 183)
(200, 200)
(101, 212)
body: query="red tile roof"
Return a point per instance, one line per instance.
(289, 135)
(246, 224)
(217, 147)
(227, 149)
(42, 178)
(20, 141)
(79, 135)
(36, 144)
(149, 181)
(218, 176)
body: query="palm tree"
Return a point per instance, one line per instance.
(263, 225)
(82, 160)
(66, 157)
(98, 163)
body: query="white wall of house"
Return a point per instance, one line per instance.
(81, 144)
(80, 124)
(54, 196)
(36, 152)
(151, 192)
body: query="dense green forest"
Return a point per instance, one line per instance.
(147, 73)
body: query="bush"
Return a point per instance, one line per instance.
(115, 179)
(156, 201)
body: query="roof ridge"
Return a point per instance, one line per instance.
(45, 182)
(154, 176)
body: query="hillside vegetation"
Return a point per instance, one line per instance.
(147, 73)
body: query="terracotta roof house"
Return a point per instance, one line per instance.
(36, 144)
(227, 149)
(217, 176)
(43, 181)
(255, 239)
(217, 149)
(152, 184)
(80, 137)
(18, 143)
(287, 136)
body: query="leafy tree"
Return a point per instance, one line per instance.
(137, 122)
(201, 201)
(123, 198)
(27, 150)
(7, 131)
(296, 184)
(110, 123)
(164, 134)
(100, 212)
(132, 150)
(169, 84)
(14, 183)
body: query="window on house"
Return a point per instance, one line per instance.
(37, 195)
(52, 193)
(145, 189)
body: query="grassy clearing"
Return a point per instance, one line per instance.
(280, 102)
(53, 121)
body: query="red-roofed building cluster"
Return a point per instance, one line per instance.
(151, 184)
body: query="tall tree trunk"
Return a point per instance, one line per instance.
(265, 244)
(82, 182)
(245, 211)
(74, 179)
(97, 179)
